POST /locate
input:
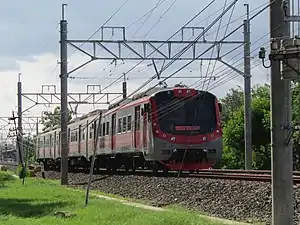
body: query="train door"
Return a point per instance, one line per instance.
(54, 145)
(145, 124)
(113, 131)
(79, 139)
(137, 117)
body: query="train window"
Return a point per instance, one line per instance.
(113, 124)
(82, 134)
(95, 128)
(72, 137)
(103, 130)
(50, 144)
(124, 124)
(137, 118)
(47, 143)
(119, 125)
(69, 134)
(76, 133)
(91, 131)
(107, 128)
(41, 143)
(100, 130)
(129, 123)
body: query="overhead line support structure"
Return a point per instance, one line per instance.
(247, 94)
(20, 126)
(284, 63)
(54, 98)
(114, 52)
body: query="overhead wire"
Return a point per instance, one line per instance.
(220, 47)
(227, 35)
(216, 37)
(148, 14)
(231, 32)
(163, 44)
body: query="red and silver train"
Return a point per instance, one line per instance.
(160, 129)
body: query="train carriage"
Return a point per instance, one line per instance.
(163, 128)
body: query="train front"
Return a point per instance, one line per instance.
(186, 129)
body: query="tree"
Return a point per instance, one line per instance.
(233, 130)
(296, 122)
(29, 144)
(231, 103)
(53, 119)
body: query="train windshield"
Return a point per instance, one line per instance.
(194, 115)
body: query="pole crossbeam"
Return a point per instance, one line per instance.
(73, 98)
(146, 49)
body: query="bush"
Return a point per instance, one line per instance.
(5, 177)
(26, 172)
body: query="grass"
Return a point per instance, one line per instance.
(36, 202)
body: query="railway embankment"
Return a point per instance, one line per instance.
(230, 199)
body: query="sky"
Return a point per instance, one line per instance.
(30, 45)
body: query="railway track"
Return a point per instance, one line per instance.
(247, 175)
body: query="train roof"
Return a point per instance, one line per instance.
(117, 105)
(77, 119)
(147, 93)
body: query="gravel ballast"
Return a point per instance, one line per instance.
(235, 200)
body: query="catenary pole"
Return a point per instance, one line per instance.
(20, 159)
(247, 94)
(282, 158)
(64, 98)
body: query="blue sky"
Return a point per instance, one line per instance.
(30, 43)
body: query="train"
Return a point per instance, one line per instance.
(160, 129)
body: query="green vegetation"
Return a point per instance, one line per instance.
(4, 178)
(37, 201)
(233, 128)
(53, 119)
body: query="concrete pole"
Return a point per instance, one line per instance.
(20, 156)
(247, 94)
(281, 114)
(64, 99)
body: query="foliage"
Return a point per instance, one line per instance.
(53, 119)
(4, 178)
(29, 144)
(296, 122)
(231, 103)
(233, 129)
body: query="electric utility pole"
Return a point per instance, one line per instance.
(247, 94)
(281, 115)
(20, 157)
(64, 97)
